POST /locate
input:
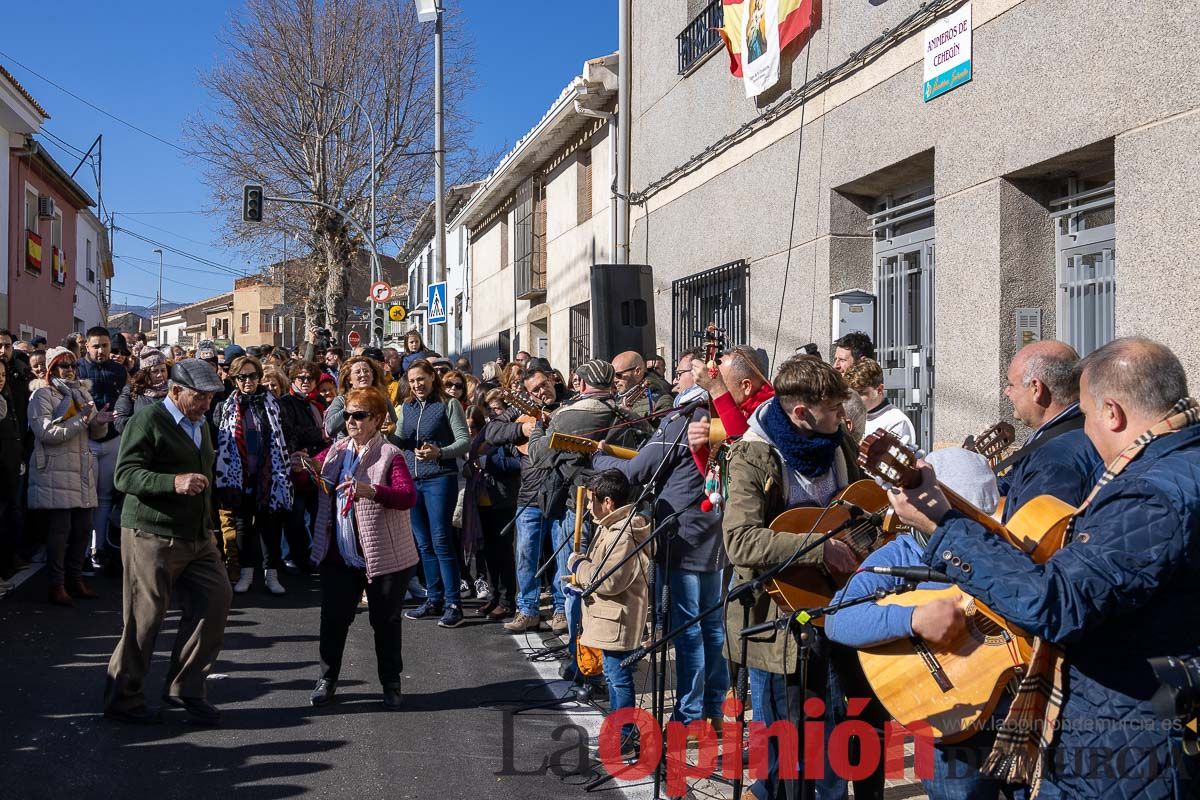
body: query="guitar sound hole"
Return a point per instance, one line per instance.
(983, 628)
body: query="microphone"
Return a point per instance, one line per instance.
(860, 514)
(915, 574)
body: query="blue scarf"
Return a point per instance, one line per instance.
(808, 452)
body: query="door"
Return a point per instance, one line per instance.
(905, 288)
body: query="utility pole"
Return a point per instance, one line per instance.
(158, 342)
(624, 123)
(439, 146)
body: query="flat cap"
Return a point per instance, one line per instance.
(196, 374)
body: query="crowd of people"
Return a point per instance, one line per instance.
(411, 484)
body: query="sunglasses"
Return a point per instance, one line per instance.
(305, 378)
(452, 385)
(253, 376)
(69, 365)
(359, 416)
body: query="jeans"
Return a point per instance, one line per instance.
(701, 672)
(532, 528)
(620, 683)
(777, 698)
(431, 523)
(341, 589)
(106, 462)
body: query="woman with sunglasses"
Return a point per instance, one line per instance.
(302, 411)
(253, 473)
(62, 471)
(431, 429)
(147, 387)
(358, 372)
(362, 542)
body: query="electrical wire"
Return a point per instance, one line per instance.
(154, 262)
(166, 279)
(109, 114)
(184, 253)
(180, 235)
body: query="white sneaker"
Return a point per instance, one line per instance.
(245, 578)
(482, 590)
(271, 578)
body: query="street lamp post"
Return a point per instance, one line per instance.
(431, 11)
(376, 273)
(158, 311)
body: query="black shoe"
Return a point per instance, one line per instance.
(392, 698)
(323, 693)
(142, 715)
(291, 567)
(199, 711)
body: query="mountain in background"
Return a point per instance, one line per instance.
(143, 311)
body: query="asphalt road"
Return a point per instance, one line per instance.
(456, 737)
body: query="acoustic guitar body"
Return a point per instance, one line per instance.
(523, 449)
(953, 689)
(810, 586)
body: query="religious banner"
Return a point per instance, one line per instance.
(756, 32)
(58, 266)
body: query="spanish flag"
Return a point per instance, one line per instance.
(757, 31)
(33, 250)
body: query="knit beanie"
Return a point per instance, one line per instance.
(53, 355)
(151, 358)
(597, 373)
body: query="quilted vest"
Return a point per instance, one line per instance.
(383, 533)
(427, 422)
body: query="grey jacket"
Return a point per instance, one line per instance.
(62, 470)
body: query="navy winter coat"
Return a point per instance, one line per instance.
(1066, 467)
(697, 543)
(1125, 589)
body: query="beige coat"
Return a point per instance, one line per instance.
(614, 615)
(62, 470)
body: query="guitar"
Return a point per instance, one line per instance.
(954, 689)
(589, 659)
(635, 394)
(532, 412)
(582, 444)
(992, 443)
(808, 586)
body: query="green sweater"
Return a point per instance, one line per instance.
(154, 449)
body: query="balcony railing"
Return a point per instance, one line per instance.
(700, 37)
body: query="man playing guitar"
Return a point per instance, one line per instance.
(1058, 459)
(1082, 724)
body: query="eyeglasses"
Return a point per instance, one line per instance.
(450, 386)
(625, 372)
(305, 378)
(359, 416)
(247, 377)
(68, 365)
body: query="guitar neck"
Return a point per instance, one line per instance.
(964, 507)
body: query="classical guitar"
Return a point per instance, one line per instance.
(954, 689)
(531, 410)
(809, 586)
(992, 443)
(582, 444)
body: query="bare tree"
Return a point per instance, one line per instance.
(270, 126)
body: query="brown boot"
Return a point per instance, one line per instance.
(59, 597)
(77, 588)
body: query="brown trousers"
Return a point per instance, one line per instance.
(154, 567)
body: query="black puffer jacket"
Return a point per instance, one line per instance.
(301, 431)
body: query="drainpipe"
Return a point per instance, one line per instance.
(611, 119)
(625, 121)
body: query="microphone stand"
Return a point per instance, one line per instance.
(804, 632)
(745, 594)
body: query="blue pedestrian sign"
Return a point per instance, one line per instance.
(437, 303)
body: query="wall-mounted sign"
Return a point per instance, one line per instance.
(948, 52)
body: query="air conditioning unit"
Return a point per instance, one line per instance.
(46, 206)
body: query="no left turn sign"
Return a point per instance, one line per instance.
(381, 292)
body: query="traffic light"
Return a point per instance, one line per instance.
(378, 322)
(252, 203)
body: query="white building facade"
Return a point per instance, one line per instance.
(92, 272)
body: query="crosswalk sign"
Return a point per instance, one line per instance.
(437, 303)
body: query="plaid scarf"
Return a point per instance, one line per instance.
(1024, 740)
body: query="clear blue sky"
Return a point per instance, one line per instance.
(139, 61)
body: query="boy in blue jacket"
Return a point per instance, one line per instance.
(956, 766)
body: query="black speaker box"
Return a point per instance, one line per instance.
(622, 309)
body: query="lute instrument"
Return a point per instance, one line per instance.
(954, 689)
(582, 444)
(992, 443)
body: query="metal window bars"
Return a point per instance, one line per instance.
(1086, 265)
(719, 295)
(700, 37)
